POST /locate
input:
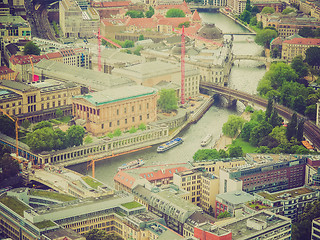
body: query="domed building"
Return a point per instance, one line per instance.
(209, 36)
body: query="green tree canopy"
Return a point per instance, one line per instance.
(8, 165)
(306, 32)
(206, 154)
(134, 14)
(299, 66)
(141, 37)
(7, 126)
(248, 6)
(42, 124)
(185, 24)
(265, 36)
(75, 135)
(235, 151)
(128, 44)
(312, 56)
(268, 10)
(292, 127)
(175, 13)
(245, 16)
(288, 10)
(233, 126)
(168, 100)
(31, 49)
(98, 234)
(260, 131)
(224, 214)
(150, 12)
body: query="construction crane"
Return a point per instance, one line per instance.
(183, 50)
(32, 67)
(99, 47)
(16, 130)
(92, 164)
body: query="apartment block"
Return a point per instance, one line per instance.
(297, 46)
(288, 203)
(315, 232)
(260, 225)
(265, 172)
(14, 28)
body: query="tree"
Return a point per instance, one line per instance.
(260, 131)
(245, 16)
(134, 14)
(247, 129)
(59, 113)
(75, 135)
(269, 109)
(275, 53)
(292, 127)
(269, 142)
(306, 32)
(224, 214)
(299, 104)
(132, 130)
(142, 127)
(312, 56)
(311, 111)
(8, 165)
(31, 49)
(268, 10)
(235, 151)
(168, 100)
(279, 133)
(287, 11)
(248, 6)
(42, 124)
(265, 36)
(117, 132)
(260, 24)
(88, 139)
(175, 13)
(223, 153)
(185, 24)
(98, 234)
(253, 21)
(7, 126)
(232, 127)
(42, 139)
(128, 44)
(141, 37)
(275, 120)
(300, 129)
(150, 12)
(299, 66)
(206, 154)
(25, 124)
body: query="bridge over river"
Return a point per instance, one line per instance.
(311, 131)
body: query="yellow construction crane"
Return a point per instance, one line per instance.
(16, 129)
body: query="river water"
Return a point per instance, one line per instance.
(244, 76)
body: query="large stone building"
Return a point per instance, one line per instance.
(297, 46)
(38, 101)
(145, 74)
(14, 28)
(78, 19)
(122, 107)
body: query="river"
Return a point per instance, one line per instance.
(244, 76)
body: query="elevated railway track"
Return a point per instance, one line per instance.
(311, 131)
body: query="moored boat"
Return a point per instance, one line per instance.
(169, 145)
(206, 140)
(132, 164)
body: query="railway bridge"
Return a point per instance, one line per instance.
(311, 131)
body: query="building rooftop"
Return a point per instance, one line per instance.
(304, 41)
(286, 194)
(84, 77)
(248, 226)
(5, 70)
(236, 197)
(8, 95)
(121, 93)
(64, 233)
(13, 20)
(23, 87)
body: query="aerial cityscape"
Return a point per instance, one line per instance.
(159, 119)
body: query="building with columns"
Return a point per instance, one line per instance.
(121, 107)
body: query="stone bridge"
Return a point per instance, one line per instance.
(240, 33)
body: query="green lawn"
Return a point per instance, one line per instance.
(14, 204)
(91, 182)
(131, 205)
(52, 195)
(246, 147)
(44, 224)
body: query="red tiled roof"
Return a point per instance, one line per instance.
(22, 60)
(303, 41)
(54, 55)
(184, 7)
(164, 173)
(174, 22)
(196, 16)
(114, 21)
(5, 70)
(193, 29)
(142, 22)
(124, 178)
(113, 4)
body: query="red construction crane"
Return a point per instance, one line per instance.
(99, 47)
(183, 51)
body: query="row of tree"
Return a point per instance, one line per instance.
(140, 14)
(211, 154)
(44, 138)
(286, 85)
(8, 166)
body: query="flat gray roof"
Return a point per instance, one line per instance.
(236, 197)
(23, 87)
